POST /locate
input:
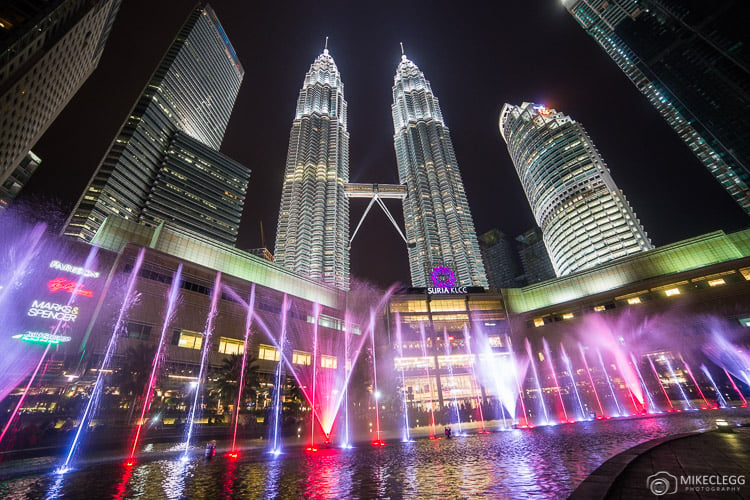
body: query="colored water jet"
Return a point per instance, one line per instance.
(376, 394)
(447, 349)
(467, 341)
(554, 377)
(569, 366)
(676, 381)
(591, 379)
(739, 393)
(695, 382)
(427, 373)
(109, 352)
(248, 325)
(651, 404)
(208, 331)
(661, 384)
(609, 382)
(542, 405)
(400, 341)
(149, 392)
(719, 397)
(316, 318)
(275, 444)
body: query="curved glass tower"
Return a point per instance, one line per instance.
(438, 222)
(584, 217)
(312, 238)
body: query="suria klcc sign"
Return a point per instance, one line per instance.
(443, 281)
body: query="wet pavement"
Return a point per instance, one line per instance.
(703, 465)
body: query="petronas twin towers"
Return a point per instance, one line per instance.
(312, 238)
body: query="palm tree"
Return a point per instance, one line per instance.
(227, 379)
(134, 372)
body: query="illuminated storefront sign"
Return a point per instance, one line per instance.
(68, 268)
(42, 337)
(456, 289)
(52, 310)
(66, 285)
(442, 277)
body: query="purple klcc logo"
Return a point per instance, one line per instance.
(442, 277)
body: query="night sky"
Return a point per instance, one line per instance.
(477, 56)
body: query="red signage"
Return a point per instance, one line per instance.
(66, 285)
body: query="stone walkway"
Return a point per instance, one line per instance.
(709, 457)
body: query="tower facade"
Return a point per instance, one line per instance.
(312, 238)
(585, 219)
(692, 62)
(438, 221)
(47, 51)
(181, 115)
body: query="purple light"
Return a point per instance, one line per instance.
(442, 277)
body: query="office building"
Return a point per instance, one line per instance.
(18, 179)
(585, 219)
(439, 227)
(312, 237)
(692, 62)
(164, 164)
(47, 51)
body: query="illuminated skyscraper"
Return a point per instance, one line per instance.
(692, 62)
(47, 51)
(584, 217)
(164, 164)
(312, 238)
(438, 221)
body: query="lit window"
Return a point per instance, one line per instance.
(495, 341)
(599, 308)
(744, 322)
(634, 300)
(745, 273)
(538, 322)
(231, 346)
(717, 282)
(301, 358)
(328, 361)
(672, 291)
(268, 353)
(190, 340)
(567, 316)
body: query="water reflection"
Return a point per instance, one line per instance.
(544, 461)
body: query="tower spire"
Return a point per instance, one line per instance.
(325, 47)
(402, 48)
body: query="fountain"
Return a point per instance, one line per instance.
(96, 393)
(609, 384)
(695, 383)
(651, 405)
(591, 380)
(208, 331)
(474, 379)
(676, 381)
(737, 390)
(427, 374)
(375, 393)
(569, 366)
(455, 406)
(233, 453)
(148, 395)
(719, 397)
(554, 380)
(542, 405)
(278, 387)
(405, 436)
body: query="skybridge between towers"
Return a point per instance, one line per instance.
(377, 193)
